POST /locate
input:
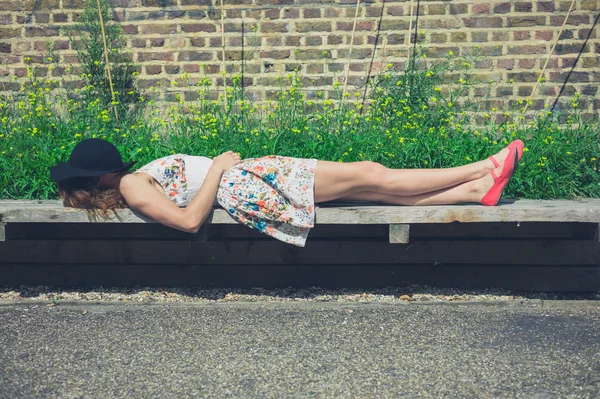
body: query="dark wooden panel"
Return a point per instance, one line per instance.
(520, 278)
(537, 252)
(115, 231)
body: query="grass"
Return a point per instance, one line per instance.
(414, 119)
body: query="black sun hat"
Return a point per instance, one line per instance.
(91, 157)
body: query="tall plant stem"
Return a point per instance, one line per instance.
(112, 91)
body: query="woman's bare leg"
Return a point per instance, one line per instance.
(466, 192)
(340, 180)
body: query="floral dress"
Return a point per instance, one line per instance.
(273, 194)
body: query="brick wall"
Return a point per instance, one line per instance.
(170, 37)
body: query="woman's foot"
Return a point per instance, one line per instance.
(490, 187)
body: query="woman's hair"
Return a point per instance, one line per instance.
(86, 193)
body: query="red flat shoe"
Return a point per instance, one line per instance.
(492, 197)
(519, 146)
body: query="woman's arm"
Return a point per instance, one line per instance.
(146, 199)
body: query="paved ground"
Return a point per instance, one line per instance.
(277, 350)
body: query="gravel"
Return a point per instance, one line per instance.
(409, 293)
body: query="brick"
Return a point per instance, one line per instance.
(459, 37)
(566, 35)
(436, 9)
(191, 68)
(158, 3)
(148, 83)
(57, 45)
(589, 5)
(569, 48)
(504, 91)
(395, 11)
(590, 62)
(396, 38)
(371, 40)
(589, 90)
(501, 8)
(291, 13)
(521, 35)
(527, 49)
(527, 77)
(574, 77)
(234, 14)
(524, 91)
(60, 18)
(136, 16)
(334, 39)
(544, 35)
(7, 33)
(175, 42)
(313, 68)
(6, 19)
(153, 69)
(314, 41)
(196, 56)
(293, 67)
(42, 18)
(585, 33)
(394, 25)
(163, 29)
(359, 53)
(483, 22)
(130, 29)
(156, 15)
(311, 13)
(276, 54)
(527, 63)
(479, 37)
(567, 62)
(458, 9)
(332, 12)
(360, 26)
(138, 43)
(191, 28)
(274, 27)
(316, 26)
(545, 6)
(172, 69)
(197, 41)
(5, 48)
(523, 7)
(274, 41)
(572, 20)
(155, 56)
(500, 36)
(13, 5)
(373, 12)
(480, 8)
(303, 54)
(32, 31)
(157, 42)
(192, 14)
(526, 21)
(215, 42)
(438, 38)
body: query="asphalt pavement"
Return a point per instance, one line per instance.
(299, 350)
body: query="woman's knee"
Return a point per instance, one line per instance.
(373, 173)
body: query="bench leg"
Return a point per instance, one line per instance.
(206, 231)
(399, 233)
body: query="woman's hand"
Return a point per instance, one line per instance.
(226, 160)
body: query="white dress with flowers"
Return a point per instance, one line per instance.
(273, 194)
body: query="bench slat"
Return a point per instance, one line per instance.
(505, 252)
(584, 211)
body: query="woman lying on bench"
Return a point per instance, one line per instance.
(273, 194)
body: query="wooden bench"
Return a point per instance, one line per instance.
(521, 245)
(397, 218)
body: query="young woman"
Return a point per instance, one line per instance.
(275, 195)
